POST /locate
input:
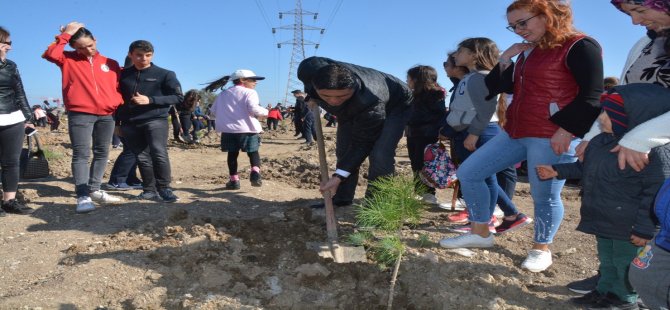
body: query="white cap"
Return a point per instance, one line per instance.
(247, 74)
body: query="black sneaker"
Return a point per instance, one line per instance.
(591, 299)
(147, 195)
(14, 206)
(2, 213)
(233, 184)
(167, 195)
(255, 179)
(612, 302)
(585, 285)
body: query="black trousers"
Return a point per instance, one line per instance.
(148, 141)
(11, 142)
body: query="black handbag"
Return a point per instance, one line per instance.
(33, 163)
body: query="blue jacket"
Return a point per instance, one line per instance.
(662, 211)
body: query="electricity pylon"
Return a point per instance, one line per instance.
(298, 42)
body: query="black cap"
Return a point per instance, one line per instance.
(297, 91)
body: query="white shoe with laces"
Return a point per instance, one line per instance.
(103, 197)
(537, 261)
(468, 240)
(84, 204)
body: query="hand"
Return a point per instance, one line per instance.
(139, 99)
(515, 49)
(560, 141)
(638, 241)
(636, 160)
(470, 142)
(546, 172)
(71, 28)
(580, 149)
(330, 186)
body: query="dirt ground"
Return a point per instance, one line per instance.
(246, 249)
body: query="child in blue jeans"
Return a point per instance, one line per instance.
(616, 203)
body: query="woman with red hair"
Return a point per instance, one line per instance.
(556, 82)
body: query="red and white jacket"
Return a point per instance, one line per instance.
(90, 84)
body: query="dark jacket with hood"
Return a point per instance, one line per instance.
(160, 85)
(12, 95)
(376, 95)
(429, 114)
(617, 203)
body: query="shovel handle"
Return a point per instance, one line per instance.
(331, 222)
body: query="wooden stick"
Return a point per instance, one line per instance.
(331, 221)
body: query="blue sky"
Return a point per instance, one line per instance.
(202, 40)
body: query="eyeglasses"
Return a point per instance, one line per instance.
(7, 42)
(521, 24)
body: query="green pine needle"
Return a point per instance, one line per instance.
(387, 250)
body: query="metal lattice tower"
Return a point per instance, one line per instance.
(298, 43)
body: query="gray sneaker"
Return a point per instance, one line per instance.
(147, 195)
(85, 204)
(102, 197)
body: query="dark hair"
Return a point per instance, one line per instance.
(610, 82)
(142, 45)
(334, 76)
(426, 87)
(4, 34)
(190, 100)
(218, 84)
(485, 52)
(81, 33)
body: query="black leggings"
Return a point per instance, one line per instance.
(11, 142)
(254, 158)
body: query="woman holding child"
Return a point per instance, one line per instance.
(556, 82)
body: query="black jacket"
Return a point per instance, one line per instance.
(377, 94)
(428, 115)
(160, 85)
(12, 95)
(617, 203)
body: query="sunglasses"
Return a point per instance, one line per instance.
(7, 42)
(521, 24)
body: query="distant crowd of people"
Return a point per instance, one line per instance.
(544, 101)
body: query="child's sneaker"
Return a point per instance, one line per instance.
(466, 229)
(85, 204)
(459, 218)
(537, 261)
(467, 241)
(232, 185)
(458, 205)
(521, 220)
(255, 179)
(102, 197)
(584, 286)
(429, 199)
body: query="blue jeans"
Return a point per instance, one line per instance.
(503, 151)
(496, 194)
(86, 129)
(382, 155)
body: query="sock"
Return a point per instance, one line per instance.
(234, 177)
(256, 169)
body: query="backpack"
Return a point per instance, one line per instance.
(438, 169)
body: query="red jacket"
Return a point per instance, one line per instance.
(274, 114)
(89, 85)
(540, 79)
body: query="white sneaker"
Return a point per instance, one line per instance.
(85, 205)
(459, 206)
(537, 261)
(497, 212)
(102, 196)
(429, 199)
(467, 241)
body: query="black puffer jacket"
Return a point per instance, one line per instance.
(12, 95)
(428, 115)
(617, 203)
(377, 95)
(160, 85)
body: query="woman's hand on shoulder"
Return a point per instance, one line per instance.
(636, 160)
(515, 49)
